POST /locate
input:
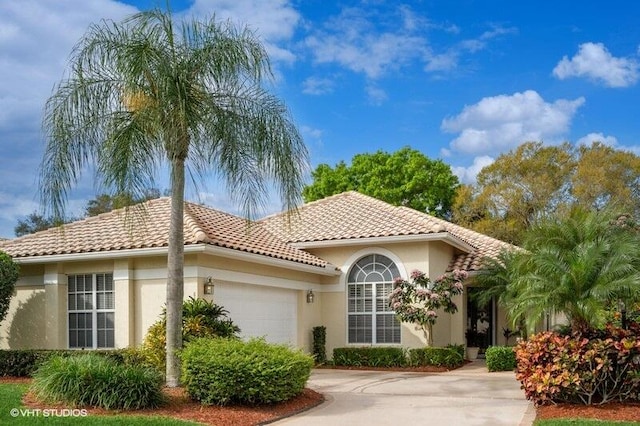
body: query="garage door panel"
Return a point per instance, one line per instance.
(261, 311)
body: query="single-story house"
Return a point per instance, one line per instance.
(100, 282)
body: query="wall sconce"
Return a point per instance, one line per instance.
(310, 296)
(208, 286)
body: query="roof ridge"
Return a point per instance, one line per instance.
(193, 225)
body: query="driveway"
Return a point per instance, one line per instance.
(467, 396)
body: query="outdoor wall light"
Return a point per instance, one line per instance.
(208, 286)
(310, 296)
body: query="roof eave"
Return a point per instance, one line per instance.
(435, 236)
(329, 269)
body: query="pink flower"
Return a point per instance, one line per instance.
(415, 274)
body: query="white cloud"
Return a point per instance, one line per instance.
(376, 95)
(311, 132)
(317, 86)
(274, 21)
(502, 122)
(594, 61)
(468, 175)
(351, 41)
(597, 137)
(611, 141)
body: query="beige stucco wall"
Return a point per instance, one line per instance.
(431, 257)
(140, 292)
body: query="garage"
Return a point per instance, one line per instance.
(261, 311)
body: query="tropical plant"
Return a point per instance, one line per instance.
(580, 266)
(419, 300)
(200, 318)
(9, 272)
(142, 95)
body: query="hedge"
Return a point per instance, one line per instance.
(370, 357)
(500, 358)
(440, 357)
(217, 371)
(24, 362)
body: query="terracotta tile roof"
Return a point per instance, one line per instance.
(147, 226)
(352, 215)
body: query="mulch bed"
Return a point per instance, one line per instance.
(181, 407)
(611, 412)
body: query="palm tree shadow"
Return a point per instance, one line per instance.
(27, 327)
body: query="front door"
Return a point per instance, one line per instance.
(480, 322)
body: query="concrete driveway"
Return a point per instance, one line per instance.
(467, 396)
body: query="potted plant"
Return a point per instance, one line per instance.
(473, 344)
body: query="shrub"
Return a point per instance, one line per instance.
(200, 318)
(225, 371)
(24, 362)
(9, 271)
(319, 343)
(370, 357)
(94, 380)
(460, 349)
(500, 358)
(580, 368)
(439, 357)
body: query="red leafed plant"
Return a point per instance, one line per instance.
(587, 368)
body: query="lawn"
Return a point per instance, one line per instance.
(581, 422)
(11, 400)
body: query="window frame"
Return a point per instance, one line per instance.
(93, 311)
(372, 294)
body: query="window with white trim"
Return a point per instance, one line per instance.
(369, 317)
(90, 302)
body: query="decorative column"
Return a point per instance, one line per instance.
(124, 318)
(55, 286)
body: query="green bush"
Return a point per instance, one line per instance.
(319, 344)
(9, 272)
(370, 357)
(584, 368)
(97, 381)
(460, 349)
(23, 362)
(439, 357)
(200, 318)
(225, 371)
(500, 358)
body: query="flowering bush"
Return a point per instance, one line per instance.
(419, 300)
(589, 369)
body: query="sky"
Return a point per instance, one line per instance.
(459, 80)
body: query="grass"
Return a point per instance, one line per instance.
(581, 422)
(11, 399)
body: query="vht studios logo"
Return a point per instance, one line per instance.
(47, 412)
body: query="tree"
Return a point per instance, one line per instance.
(580, 266)
(404, 178)
(104, 203)
(9, 271)
(535, 181)
(35, 222)
(418, 301)
(141, 95)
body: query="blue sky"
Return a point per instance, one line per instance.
(460, 80)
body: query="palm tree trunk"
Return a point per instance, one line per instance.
(175, 273)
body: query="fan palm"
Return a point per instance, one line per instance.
(578, 266)
(140, 95)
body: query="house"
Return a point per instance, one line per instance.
(100, 282)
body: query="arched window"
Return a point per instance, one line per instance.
(369, 317)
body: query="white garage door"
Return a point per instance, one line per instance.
(260, 311)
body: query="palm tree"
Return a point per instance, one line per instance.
(140, 95)
(579, 266)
